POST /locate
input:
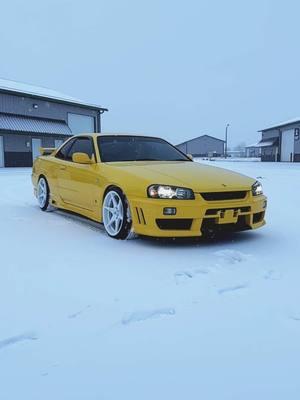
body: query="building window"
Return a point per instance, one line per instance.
(79, 123)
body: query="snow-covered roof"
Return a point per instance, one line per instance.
(39, 91)
(265, 143)
(283, 123)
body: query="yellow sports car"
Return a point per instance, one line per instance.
(145, 185)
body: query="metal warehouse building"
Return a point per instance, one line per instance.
(280, 142)
(31, 117)
(203, 146)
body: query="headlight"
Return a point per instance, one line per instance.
(257, 189)
(170, 192)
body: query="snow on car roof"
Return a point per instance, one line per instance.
(39, 91)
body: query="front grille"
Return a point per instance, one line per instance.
(214, 211)
(216, 196)
(178, 224)
(209, 226)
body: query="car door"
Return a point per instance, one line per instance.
(78, 183)
(60, 173)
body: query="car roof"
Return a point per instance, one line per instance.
(117, 134)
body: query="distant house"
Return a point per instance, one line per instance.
(203, 146)
(31, 117)
(253, 151)
(280, 142)
(236, 153)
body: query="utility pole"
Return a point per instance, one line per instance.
(226, 137)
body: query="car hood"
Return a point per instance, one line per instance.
(193, 175)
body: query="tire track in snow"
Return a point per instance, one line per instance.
(183, 276)
(295, 318)
(77, 313)
(16, 339)
(140, 316)
(232, 256)
(232, 288)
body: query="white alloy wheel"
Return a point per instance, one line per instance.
(43, 193)
(113, 213)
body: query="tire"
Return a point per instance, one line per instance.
(43, 193)
(116, 214)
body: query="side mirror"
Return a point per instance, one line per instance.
(82, 158)
(190, 157)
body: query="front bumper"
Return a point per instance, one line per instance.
(196, 217)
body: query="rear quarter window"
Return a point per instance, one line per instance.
(63, 152)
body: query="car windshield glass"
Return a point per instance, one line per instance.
(137, 148)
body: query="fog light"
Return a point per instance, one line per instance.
(169, 211)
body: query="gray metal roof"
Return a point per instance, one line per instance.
(16, 123)
(198, 137)
(38, 91)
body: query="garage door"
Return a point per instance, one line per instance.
(1, 152)
(287, 145)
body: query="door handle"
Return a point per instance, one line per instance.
(62, 167)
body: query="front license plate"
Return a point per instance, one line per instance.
(228, 217)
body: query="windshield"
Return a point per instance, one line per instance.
(137, 148)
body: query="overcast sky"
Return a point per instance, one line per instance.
(172, 68)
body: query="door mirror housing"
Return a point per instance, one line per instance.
(82, 158)
(190, 156)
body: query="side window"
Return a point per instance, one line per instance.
(63, 152)
(81, 145)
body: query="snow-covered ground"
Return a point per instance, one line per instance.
(83, 316)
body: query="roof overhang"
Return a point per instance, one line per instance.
(265, 143)
(22, 124)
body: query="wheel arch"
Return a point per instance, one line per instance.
(127, 219)
(110, 187)
(41, 175)
(46, 201)
(114, 186)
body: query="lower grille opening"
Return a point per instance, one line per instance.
(214, 211)
(215, 196)
(174, 224)
(210, 227)
(258, 217)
